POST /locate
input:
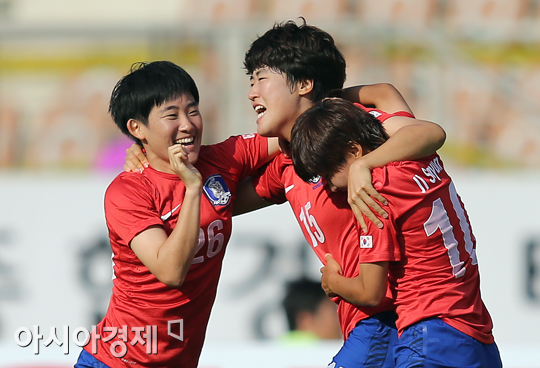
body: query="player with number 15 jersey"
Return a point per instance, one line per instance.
(329, 226)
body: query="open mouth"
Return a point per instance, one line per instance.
(260, 110)
(185, 141)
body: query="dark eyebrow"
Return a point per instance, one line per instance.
(169, 108)
(259, 71)
(175, 107)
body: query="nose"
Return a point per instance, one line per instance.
(186, 125)
(252, 94)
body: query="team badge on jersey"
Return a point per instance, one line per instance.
(217, 191)
(316, 181)
(366, 241)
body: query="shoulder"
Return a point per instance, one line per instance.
(236, 140)
(129, 184)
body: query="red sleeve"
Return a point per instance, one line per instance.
(268, 181)
(379, 245)
(383, 116)
(129, 207)
(239, 155)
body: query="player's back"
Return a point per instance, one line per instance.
(438, 275)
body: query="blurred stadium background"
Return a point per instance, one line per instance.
(471, 66)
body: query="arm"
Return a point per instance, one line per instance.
(136, 159)
(383, 96)
(409, 139)
(169, 257)
(366, 289)
(247, 199)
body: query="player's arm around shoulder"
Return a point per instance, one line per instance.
(169, 257)
(366, 289)
(383, 96)
(412, 139)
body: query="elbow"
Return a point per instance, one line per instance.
(441, 136)
(388, 91)
(173, 281)
(371, 300)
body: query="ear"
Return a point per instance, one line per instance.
(305, 87)
(356, 149)
(135, 127)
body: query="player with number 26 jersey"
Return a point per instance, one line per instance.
(136, 201)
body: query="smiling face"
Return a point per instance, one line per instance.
(177, 121)
(276, 102)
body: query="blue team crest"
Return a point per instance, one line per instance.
(316, 181)
(217, 191)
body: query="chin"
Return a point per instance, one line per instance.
(193, 157)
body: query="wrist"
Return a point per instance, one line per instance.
(194, 189)
(364, 162)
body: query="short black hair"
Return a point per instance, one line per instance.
(145, 86)
(302, 295)
(300, 52)
(322, 137)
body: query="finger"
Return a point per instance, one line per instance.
(142, 158)
(359, 217)
(366, 202)
(136, 155)
(372, 193)
(132, 165)
(362, 208)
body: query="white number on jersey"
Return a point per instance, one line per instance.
(438, 220)
(310, 223)
(215, 241)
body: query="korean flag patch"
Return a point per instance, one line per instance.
(366, 241)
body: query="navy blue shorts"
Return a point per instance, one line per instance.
(87, 360)
(370, 344)
(434, 344)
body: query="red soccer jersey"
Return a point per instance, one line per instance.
(133, 202)
(438, 275)
(329, 226)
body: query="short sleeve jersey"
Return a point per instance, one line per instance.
(173, 320)
(438, 274)
(328, 225)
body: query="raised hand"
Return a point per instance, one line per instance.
(181, 166)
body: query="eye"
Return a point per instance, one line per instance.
(194, 113)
